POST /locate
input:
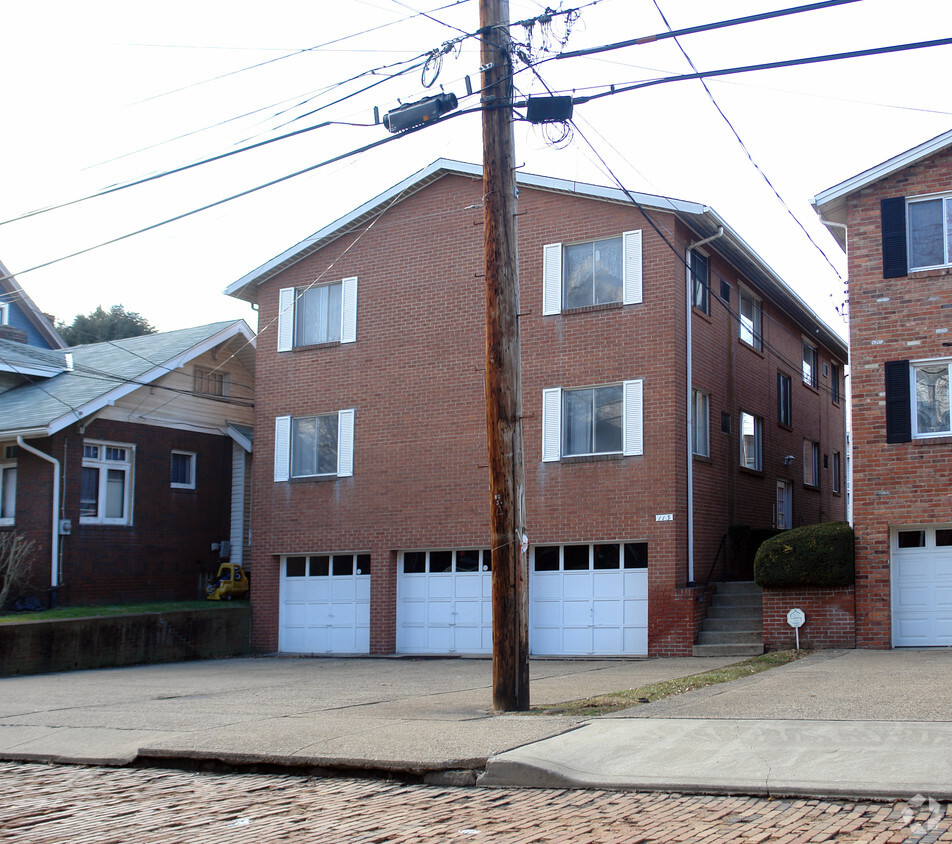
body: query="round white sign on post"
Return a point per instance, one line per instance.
(796, 617)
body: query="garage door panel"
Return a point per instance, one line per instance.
(943, 597)
(469, 639)
(577, 640)
(577, 613)
(439, 586)
(316, 589)
(413, 586)
(607, 640)
(439, 612)
(636, 640)
(343, 589)
(469, 586)
(922, 592)
(636, 584)
(607, 584)
(548, 585)
(608, 613)
(469, 612)
(636, 613)
(547, 640)
(913, 598)
(294, 614)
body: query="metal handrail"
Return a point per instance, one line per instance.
(710, 573)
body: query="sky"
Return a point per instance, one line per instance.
(104, 93)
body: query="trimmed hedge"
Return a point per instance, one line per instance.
(814, 555)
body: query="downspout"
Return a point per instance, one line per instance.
(54, 570)
(689, 282)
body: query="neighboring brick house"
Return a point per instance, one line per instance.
(21, 319)
(371, 485)
(897, 218)
(126, 461)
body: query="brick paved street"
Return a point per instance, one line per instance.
(40, 804)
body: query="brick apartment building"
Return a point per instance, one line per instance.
(897, 218)
(371, 485)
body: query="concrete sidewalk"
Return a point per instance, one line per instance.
(848, 723)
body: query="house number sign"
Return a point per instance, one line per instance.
(664, 517)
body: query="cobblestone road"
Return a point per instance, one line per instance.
(42, 803)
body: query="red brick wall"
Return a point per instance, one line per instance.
(829, 618)
(415, 378)
(165, 553)
(892, 319)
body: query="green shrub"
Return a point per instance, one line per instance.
(814, 555)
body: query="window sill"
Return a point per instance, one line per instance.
(812, 387)
(313, 346)
(705, 315)
(109, 525)
(943, 439)
(592, 458)
(178, 488)
(786, 426)
(759, 352)
(703, 458)
(587, 309)
(811, 487)
(756, 473)
(313, 479)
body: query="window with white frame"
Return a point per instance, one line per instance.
(811, 463)
(929, 232)
(320, 313)
(751, 441)
(836, 472)
(809, 358)
(700, 422)
(592, 420)
(183, 470)
(314, 446)
(596, 272)
(105, 495)
(8, 484)
(749, 318)
(700, 281)
(930, 396)
(210, 382)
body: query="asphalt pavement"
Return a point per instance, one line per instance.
(874, 724)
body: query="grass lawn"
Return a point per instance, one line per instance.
(116, 609)
(615, 701)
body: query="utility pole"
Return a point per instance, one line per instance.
(510, 581)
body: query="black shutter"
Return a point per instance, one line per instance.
(893, 213)
(898, 418)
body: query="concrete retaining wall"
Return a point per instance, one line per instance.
(38, 647)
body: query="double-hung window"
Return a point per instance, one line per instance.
(183, 469)
(700, 424)
(700, 281)
(931, 399)
(8, 484)
(320, 313)
(105, 496)
(598, 272)
(592, 420)
(314, 446)
(210, 382)
(749, 318)
(929, 232)
(751, 441)
(809, 358)
(783, 399)
(811, 463)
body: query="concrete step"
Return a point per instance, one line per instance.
(735, 612)
(732, 623)
(733, 637)
(738, 587)
(738, 600)
(729, 650)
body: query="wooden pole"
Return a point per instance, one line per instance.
(503, 369)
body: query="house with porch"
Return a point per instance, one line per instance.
(127, 463)
(674, 387)
(895, 222)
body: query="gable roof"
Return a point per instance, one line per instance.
(831, 203)
(10, 291)
(700, 219)
(94, 375)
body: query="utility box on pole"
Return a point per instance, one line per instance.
(510, 571)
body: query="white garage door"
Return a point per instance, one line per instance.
(922, 587)
(325, 604)
(444, 602)
(589, 599)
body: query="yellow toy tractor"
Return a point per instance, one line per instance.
(232, 582)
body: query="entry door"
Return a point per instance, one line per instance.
(783, 509)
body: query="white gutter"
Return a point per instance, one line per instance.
(690, 402)
(54, 574)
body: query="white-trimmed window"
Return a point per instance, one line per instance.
(183, 470)
(836, 472)
(314, 446)
(700, 423)
(592, 273)
(105, 496)
(751, 441)
(929, 232)
(809, 358)
(811, 463)
(210, 382)
(8, 484)
(592, 420)
(749, 317)
(320, 313)
(699, 272)
(930, 398)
